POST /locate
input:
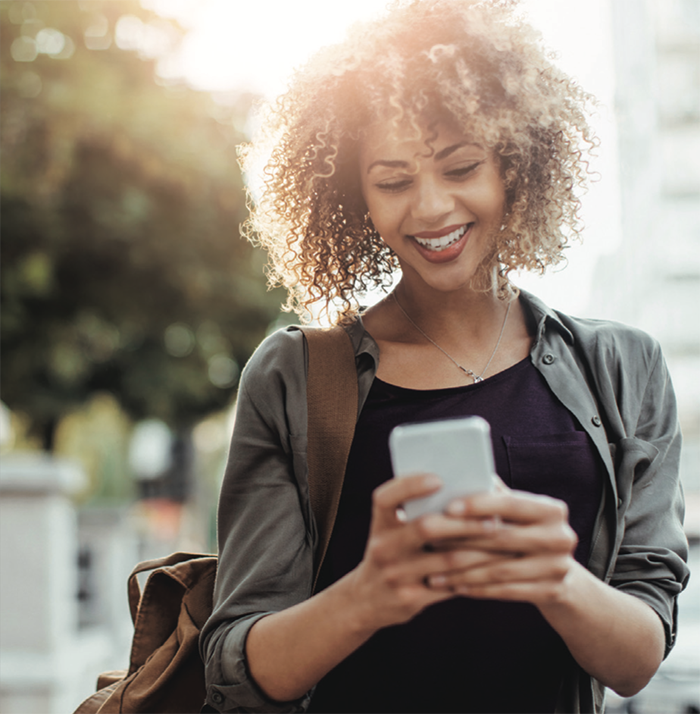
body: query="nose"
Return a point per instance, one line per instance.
(433, 201)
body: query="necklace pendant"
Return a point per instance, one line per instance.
(466, 371)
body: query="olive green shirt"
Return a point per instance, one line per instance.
(612, 378)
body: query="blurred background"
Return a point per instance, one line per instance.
(130, 303)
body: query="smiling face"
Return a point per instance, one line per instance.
(437, 206)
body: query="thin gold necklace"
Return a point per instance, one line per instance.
(468, 372)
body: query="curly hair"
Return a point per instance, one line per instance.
(478, 65)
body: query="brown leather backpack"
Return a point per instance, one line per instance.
(166, 672)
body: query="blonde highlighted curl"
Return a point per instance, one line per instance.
(475, 64)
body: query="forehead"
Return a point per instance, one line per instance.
(389, 141)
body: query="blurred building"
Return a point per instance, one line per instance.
(653, 279)
(64, 616)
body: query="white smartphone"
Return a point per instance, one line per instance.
(458, 450)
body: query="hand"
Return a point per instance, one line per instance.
(390, 585)
(527, 554)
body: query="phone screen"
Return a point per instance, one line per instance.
(458, 450)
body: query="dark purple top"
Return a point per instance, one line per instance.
(463, 655)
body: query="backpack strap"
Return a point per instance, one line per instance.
(332, 395)
(332, 398)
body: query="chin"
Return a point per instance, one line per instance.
(444, 278)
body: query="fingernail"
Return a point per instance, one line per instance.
(437, 581)
(456, 508)
(432, 481)
(462, 590)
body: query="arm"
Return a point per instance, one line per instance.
(265, 540)
(616, 631)
(289, 651)
(614, 636)
(651, 560)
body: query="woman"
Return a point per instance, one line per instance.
(441, 141)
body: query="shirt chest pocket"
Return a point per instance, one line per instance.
(564, 466)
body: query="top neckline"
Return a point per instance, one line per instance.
(499, 376)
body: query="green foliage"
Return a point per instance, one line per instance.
(122, 265)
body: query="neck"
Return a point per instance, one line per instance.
(478, 335)
(443, 315)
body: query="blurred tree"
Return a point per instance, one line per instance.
(121, 200)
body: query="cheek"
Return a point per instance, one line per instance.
(492, 201)
(385, 215)
(498, 194)
(499, 206)
(369, 199)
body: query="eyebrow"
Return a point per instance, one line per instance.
(442, 154)
(449, 150)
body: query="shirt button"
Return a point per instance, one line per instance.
(217, 697)
(596, 420)
(619, 503)
(548, 358)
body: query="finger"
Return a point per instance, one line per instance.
(429, 565)
(389, 545)
(533, 592)
(505, 571)
(546, 539)
(388, 498)
(422, 596)
(542, 538)
(440, 531)
(512, 506)
(459, 506)
(464, 543)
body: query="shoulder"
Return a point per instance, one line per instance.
(622, 356)
(280, 359)
(276, 351)
(595, 341)
(609, 339)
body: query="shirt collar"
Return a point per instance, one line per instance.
(543, 316)
(362, 341)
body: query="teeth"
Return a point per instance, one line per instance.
(438, 244)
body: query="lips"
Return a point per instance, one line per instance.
(444, 245)
(436, 242)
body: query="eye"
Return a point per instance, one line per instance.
(393, 186)
(463, 171)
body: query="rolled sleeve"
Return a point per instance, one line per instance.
(241, 693)
(265, 529)
(651, 560)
